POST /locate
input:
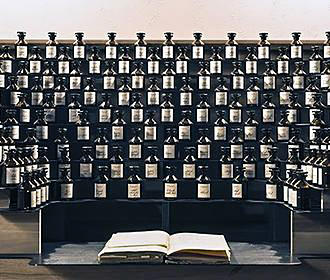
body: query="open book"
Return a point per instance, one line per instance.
(158, 246)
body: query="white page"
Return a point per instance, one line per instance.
(132, 249)
(197, 241)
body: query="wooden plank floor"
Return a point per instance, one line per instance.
(12, 269)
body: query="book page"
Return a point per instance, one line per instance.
(194, 242)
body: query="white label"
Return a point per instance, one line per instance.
(167, 115)
(309, 169)
(282, 133)
(101, 151)
(150, 133)
(315, 174)
(189, 171)
(168, 82)
(63, 67)
(75, 82)
(168, 52)
(215, 67)
(220, 133)
(236, 151)
(153, 98)
(123, 67)
(2, 81)
(268, 167)
(326, 52)
(204, 82)
(320, 176)
(104, 115)
(15, 132)
(283, 67)
(94, 67)
(315, 66)
(325, 80)
(123, 98)
(135, 151)
(109, 82)
(268, 115)
(285, 193)
(298, 82)
(151, 170)
(110, 52)
(252, 97)
(169, 151)
(42, 132)
(264, 150)
(133, 190)
(263, 52)
(21, 51)
(59, 98)
(203, 151)
(251, 67)
(48, 81)
(292, 115)
(6, 66)
(49, 114)
(269, 82)
(238, 82)
(33, 195)
(74, 115)
(23, 81)
(271, 191)
(220, 98)
(250, 133)
(117, 133)
(250, 170)
(43, 194)
(141, 52)
(293, 200)
(153, 67)
(230, 51)
(100, 190)
(136, 115)
(185, 98)
(25, 115)
(202, 115)
(309, 100)
(137, 81)
(35, 66)
(86, 170)
(117, 170)
(197, 52)
(89, 97)
(170, 190)
(12, 175)
(203, 190)
(83, 133)
(79, 52)
(284, 97)
(227, 171)
(235, 115)
(184, 132)
(296, 51)
(66, 190)
(237, 191)
(50, 51)
(182, 67)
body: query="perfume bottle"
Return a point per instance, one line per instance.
(31, 141)
(35, 60)
(294, 109)
(325, 75)
(64, 61)
(220, 127)
(316, 104)
(293, 162)
(189, 163)
(203, 183)
(235, 109)
(168, 76)
(48, 76)
(94, 62)
(140, 46)
(231, 46)
(43, 161)
(90, 93)
(236, 144)
(136, 109)
(237, 76)
(61, 141)
(203, 145)
(216, 61)
(23, 75)
(124, 92)
(269, 76)
(317, 141)
(274, 186)
(12, 124)
(285, 91)
(134, 183)
(182, 61)
(250, 127)
(300, 195)
(11, 176)
(315, 124)
(170, 184)
(6, 60)
(124, 61)
(185, 125)
(74, 108)
(202, 109)
(64, 162)
(49, 107)
(79, 46)
(101, 183)
(221, 93)
(75, 76)
(151, 164)
(299, 76)
(296, 46)
(13, 91)
(117, 131)
(150, 127)
(101, 143)
(135, 144)
(168, 46)
(24, 109)
(51, 46)
(283, 127)
(251, 65)
(249, 163)
(28, 200)
(263, 46)
(111, 46)
(282, 61)
(66, 186)
(116, 163)
(239, 184)
(198, 46)
(21, 46)
(266, 143)
(153, 61)
(268, 109)
(86, 163)
(186, 92)
(315, 61)
(326, 47)
(138, 76)
(60, 92)
(167, 109)
(253, 92)
(170, 144)
(204, 78)
(272, 161)
(153, 92)
(109, 76)
(226, 164)
(105, 109)
(83, 126)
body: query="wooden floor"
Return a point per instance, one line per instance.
(315, 269)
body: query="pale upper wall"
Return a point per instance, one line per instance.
(183, 17)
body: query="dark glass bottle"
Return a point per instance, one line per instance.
(237, 76)
(186, 92)
(137, 76)
(79, 46)
(310, 90)
(27, 193)
(181, 63)
(197, 46)
(263, 46)
(136, 109)
(124, 61)
(64, 162)
(153, 61)
(204, 77)
(326, 47)
(294, 109)
(283, 128)
(168, 46)
(315, 124)
(153, 92)
(325, 75)
(90, 93)
(64, 61)
(13, 91)
(185, 125)
(101, 183)
(236, 144)
(221, 93)
(43, 161)
(105, 109)
(111, 46)
(75, 76)
(167, 109)
(51, 46)
(239, 184)
(151, 164)
(21, 46)
(250, 163)
(49, 107)
(298, 76)
(300, 196)
(250, 127)
(293, 162)
(134, 183)
(117, 131)
(296, 46)
(61, 141)
(266, 142)
(35, 60)
(86, 163)
(170, 144)
(82, 124)
(6, 60)
(274, 186)
(135, 144)
(66, 185)
(116, 164)
(48, 75)
(315, 61)
(12, 123)
(24, 109)
(316, 104)
(60, 92)
(140, 46)
(220, 127)
(226, 164)
(203, 183)
(23, 75)
(31, 141)
(109, 76)
(101, 143)
(170, 184)
(203, 145)
(282, 61)
(251, 65)
(231, 46)
(269, 76)
(189, 163)
(272, 161)
(150, 127)
(37, 95)
(11, 170)
(168, 76)
(296, 142)
(216, 61)
(94, 62)
(253, 92)
(235, 109)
